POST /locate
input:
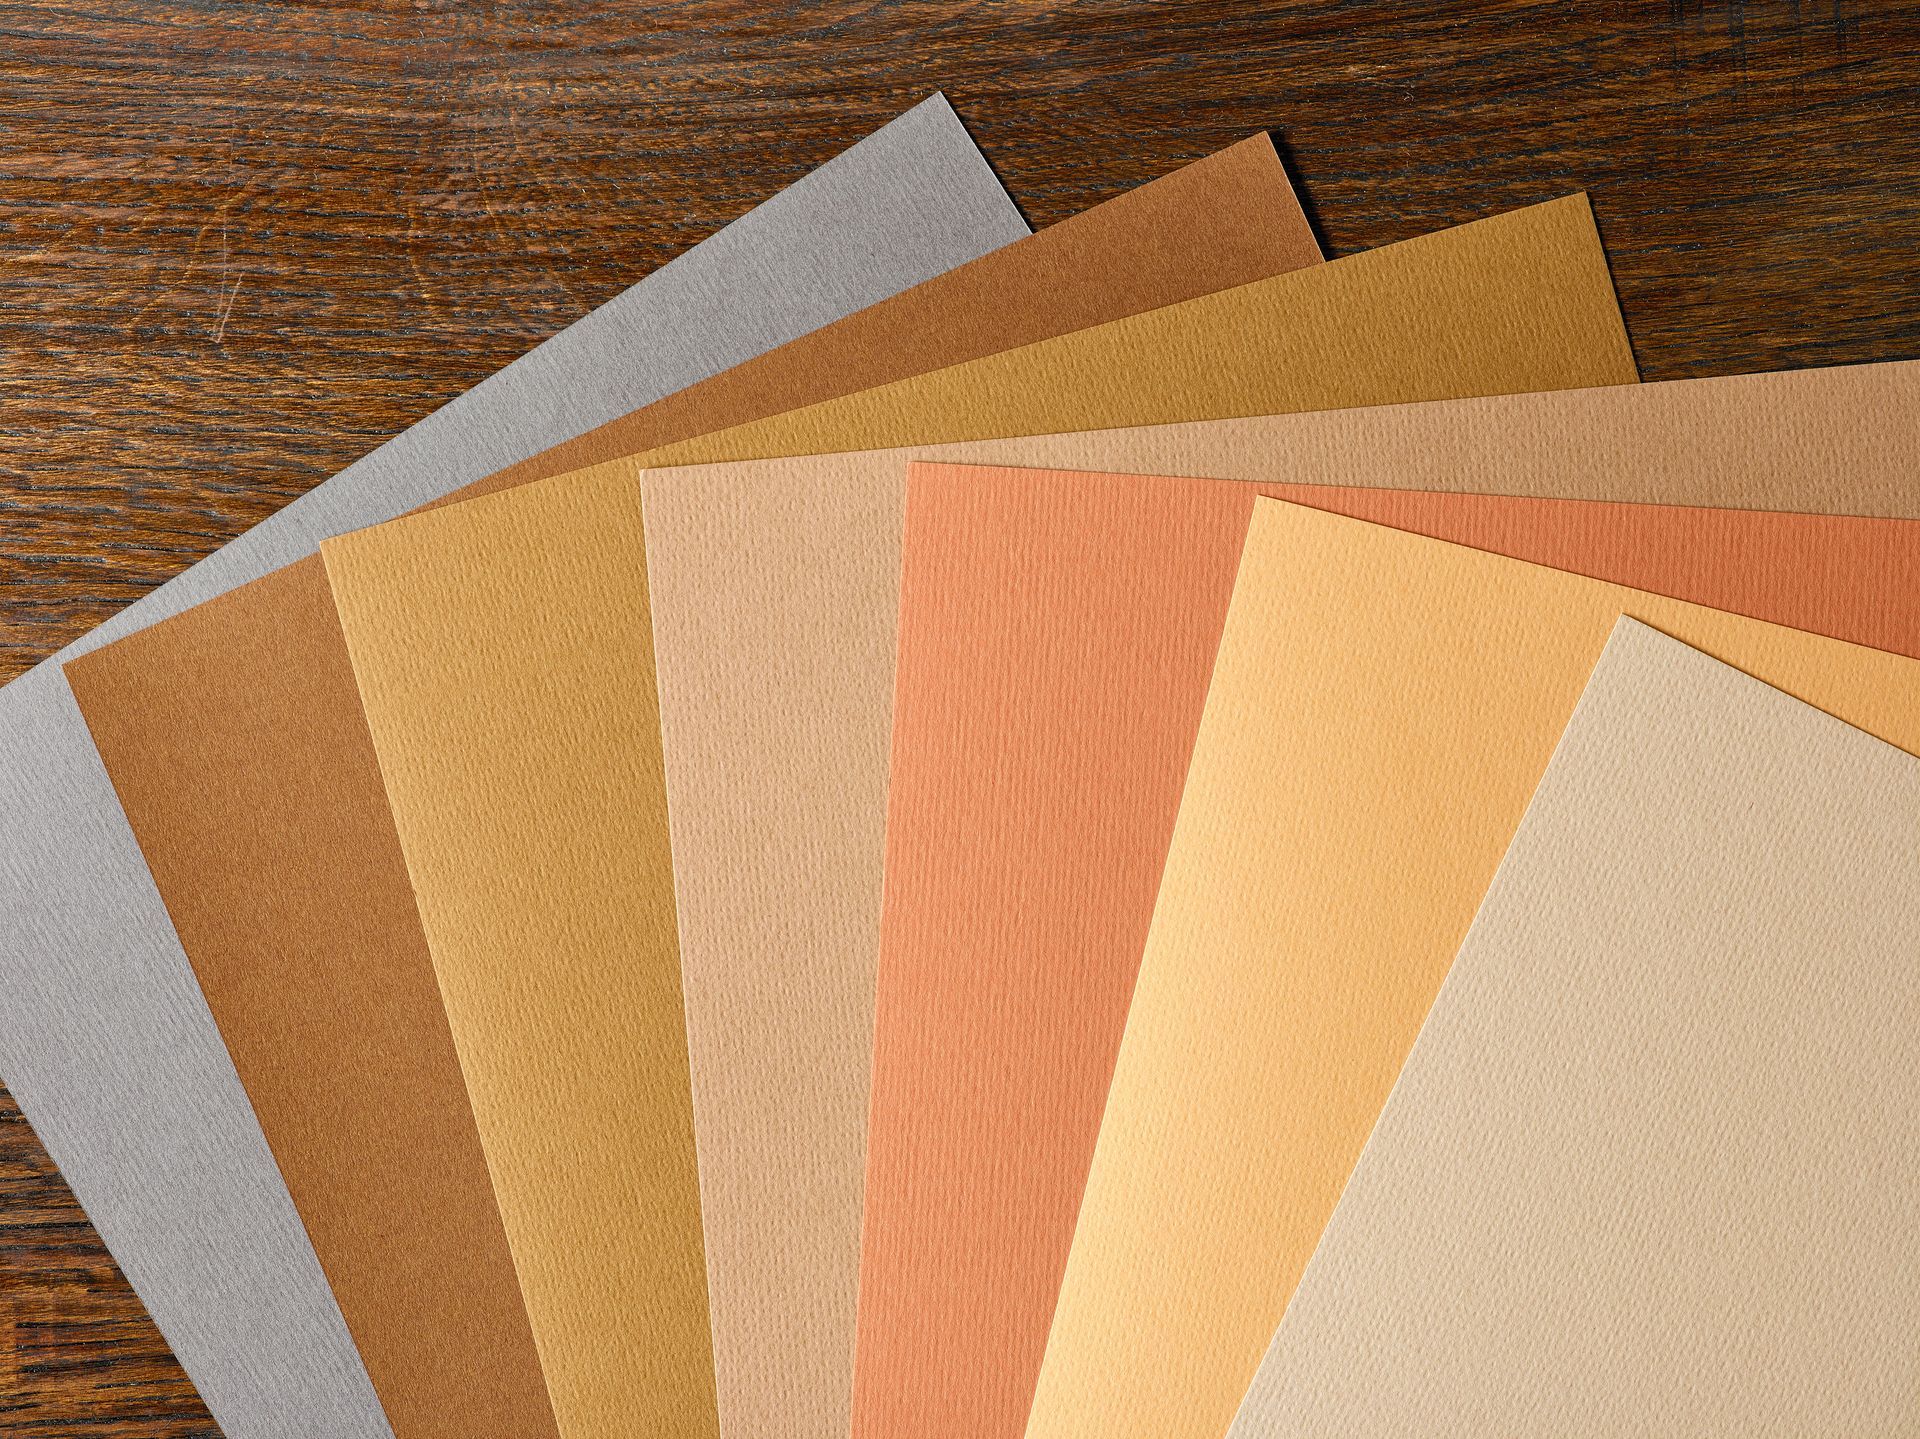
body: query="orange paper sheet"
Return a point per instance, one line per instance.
(1047, 698)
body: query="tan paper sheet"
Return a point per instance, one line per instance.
(235, 741)
(1651, 1166)
(1381, 708)
(1046, 700)
(782, 599)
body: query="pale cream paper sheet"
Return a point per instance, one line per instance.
(1382, 705)
(1652, 1166)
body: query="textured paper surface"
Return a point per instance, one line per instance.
(105, 1040)
(766, 589)
(1381, 708)
(1364, 316)
(1651, 1165)
(1047, 697)
(497, 646)
(234, 736)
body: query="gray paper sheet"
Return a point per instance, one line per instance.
(105, 1040)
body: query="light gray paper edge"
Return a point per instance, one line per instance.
(105, 1039)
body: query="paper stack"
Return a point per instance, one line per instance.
(914, 831)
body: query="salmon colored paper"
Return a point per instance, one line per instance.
(1046, 701)
(1381, 708)
(234, 739)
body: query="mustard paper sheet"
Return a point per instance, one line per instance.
(1381, 709)
(500, 648)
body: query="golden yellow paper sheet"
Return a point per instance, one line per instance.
(500, 649)
(1381, 709)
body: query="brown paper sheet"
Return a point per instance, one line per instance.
(234, 738)
(1651, 1165)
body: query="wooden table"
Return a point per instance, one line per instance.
(240, 245)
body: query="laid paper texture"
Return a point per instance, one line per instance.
(1651, 1165)
(497, 648)
(1381, 707)
(1046, 700)
(777, 850)
(235, 740)
(104, 1038)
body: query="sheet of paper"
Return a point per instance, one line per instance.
(1381, 707)
(1652, 1163)
(498, 646)
(779, 921)
(105, 1040)
(1046, 702)
(234, 737)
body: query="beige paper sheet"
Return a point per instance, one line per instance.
(1381, 708)
(499, 649)
(1652, 1164)
(777, 849)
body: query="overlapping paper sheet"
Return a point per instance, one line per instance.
(1651, 1165)
(1537, 275)
(104, 1038)
(235, 740)
(778, 929)
(775, 590)
(1047, 696)
(1381, 708)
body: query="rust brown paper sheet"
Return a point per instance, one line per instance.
(234, 737)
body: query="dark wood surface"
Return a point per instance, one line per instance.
(242, 244)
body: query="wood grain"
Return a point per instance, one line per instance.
(240, 245)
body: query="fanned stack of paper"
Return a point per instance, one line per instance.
(913, 831)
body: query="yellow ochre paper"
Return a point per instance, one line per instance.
(1381, 709)
(500, 647)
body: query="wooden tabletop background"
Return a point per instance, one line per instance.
(242, 244)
